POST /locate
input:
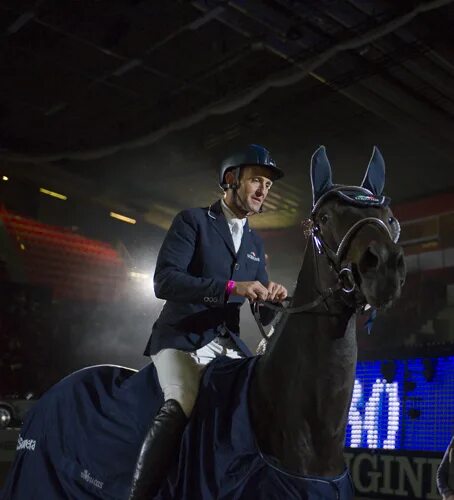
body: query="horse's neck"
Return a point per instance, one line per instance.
(301, 391)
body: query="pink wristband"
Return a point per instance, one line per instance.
(229, 287)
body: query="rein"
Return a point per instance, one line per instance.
(305, 308)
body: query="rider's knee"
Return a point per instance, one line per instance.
(186, 396)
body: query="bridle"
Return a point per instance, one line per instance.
(320, 247)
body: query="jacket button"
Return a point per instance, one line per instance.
(237, 266)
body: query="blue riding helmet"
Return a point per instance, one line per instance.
(252, 155)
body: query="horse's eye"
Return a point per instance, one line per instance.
(391, 220)
(323, 218)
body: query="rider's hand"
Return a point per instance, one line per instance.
(252, 290)
(276, 292)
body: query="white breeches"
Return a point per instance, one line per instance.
(179, 372)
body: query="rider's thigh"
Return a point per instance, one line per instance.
(179, 376)
(234, 354)
(207, 353)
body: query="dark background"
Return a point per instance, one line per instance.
(129, 106)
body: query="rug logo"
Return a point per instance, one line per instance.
(85, 475)
(252, 256)
(25, 444)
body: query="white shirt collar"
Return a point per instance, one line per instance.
(230, 216)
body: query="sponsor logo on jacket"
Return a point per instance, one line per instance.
(252, 256)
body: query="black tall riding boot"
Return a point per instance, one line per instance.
(158, 449)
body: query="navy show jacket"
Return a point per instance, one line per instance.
(196, 260)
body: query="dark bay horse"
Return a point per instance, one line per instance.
(269, 427)
(301, 392)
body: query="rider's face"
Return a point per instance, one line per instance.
(254, 185)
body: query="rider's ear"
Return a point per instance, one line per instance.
(320, 174)
(374, 180)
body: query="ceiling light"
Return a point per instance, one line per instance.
(122, 218)
(53, 193)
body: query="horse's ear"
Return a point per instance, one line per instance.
(374, 180)
(320, 174)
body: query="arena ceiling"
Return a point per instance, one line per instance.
(134, 103)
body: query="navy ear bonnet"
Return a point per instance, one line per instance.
(368, 194)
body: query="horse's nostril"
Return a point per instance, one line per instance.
(369, 261)
(400, 263)
(401, 268)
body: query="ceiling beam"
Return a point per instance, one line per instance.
(228, 105)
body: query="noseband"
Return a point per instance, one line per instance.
(334, 258)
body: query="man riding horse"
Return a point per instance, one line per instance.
(81, 439)
(209, 263)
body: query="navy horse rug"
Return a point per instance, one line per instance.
(82, 439)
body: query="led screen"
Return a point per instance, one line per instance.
(403, 404)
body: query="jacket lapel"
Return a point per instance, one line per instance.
(217, 218)
(246, 243)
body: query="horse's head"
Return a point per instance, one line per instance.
(356, 230)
